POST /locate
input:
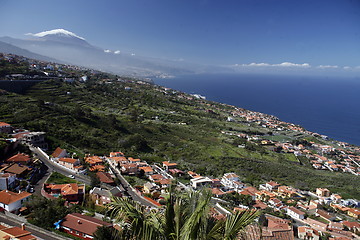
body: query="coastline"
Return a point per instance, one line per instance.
(303, 101)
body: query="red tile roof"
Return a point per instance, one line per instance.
(16, 169)
(105, 177)
(57, 152)
(67, 189)
(82, 223)
(68, 160)
(7, 197)
(19, 158)
(166, 163)
(3, 124)
(17, 232)
(94, 160)
(99, 168)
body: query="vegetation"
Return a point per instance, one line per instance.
(58, 178)
(186, 217)
(147, 122)
(45, 212)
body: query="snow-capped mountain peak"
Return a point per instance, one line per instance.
(56, 32)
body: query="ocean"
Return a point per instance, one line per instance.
(326, 105)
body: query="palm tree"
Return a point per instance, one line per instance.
(186, 217)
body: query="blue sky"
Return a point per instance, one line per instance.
(231, 32)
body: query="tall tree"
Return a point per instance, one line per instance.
(186, 217)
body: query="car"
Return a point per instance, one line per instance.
(71, 176)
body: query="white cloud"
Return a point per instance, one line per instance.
(289, 64)
(107, 51)
(284, 64)
(133, 54)
(327, 66)
(117, 52)
(346, 67)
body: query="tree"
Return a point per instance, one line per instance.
(45, 212)
(106, 233)
(186, 217)
(95, 181)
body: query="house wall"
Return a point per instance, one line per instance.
(76, 233)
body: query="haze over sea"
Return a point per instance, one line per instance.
(326, 105)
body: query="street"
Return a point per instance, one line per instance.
(43, 234)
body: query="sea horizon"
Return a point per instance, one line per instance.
(325, 105)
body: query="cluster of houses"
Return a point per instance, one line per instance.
(339, 157)
(17, 169)
(44, 70)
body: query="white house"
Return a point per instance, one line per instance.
(69, 163)
(231, 181)
(11, 201)
(295, 213)
(200, 182)
(7, 180)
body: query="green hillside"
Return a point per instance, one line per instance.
(156, 124)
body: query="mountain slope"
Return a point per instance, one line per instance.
(68, 47)
(8, 48)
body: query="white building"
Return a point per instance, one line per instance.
(200, 182)
(295, 213)
(7, 180)
(11, 201)
(231, 181)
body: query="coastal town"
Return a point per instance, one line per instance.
(30, 168)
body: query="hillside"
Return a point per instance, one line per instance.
(110, 113)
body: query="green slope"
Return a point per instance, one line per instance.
(102, 116)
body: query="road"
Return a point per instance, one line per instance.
(53, 167)
(130, 190)
(42, 234)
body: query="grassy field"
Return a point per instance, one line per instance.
(58, 178)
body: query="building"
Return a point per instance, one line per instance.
(271, 228)
(93, 160)
(116, 161)
(72, 192)
(200, 182)
(20, 158)
(59, 153)
(295, 213)
(272, 186)
(15, 233)
(105, 178)
(322, 192)
(69, 163)
(147, 170)
(18, 170)
(167, 165)
(11, 201)
(7, 181)
(36, 139)
(353, 212)
(305, 232)
(100, 196)
(231, 181)
(5, 127)
(82, 226)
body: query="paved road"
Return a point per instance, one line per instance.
(130, 191)
(53, 167)
(43, 234)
